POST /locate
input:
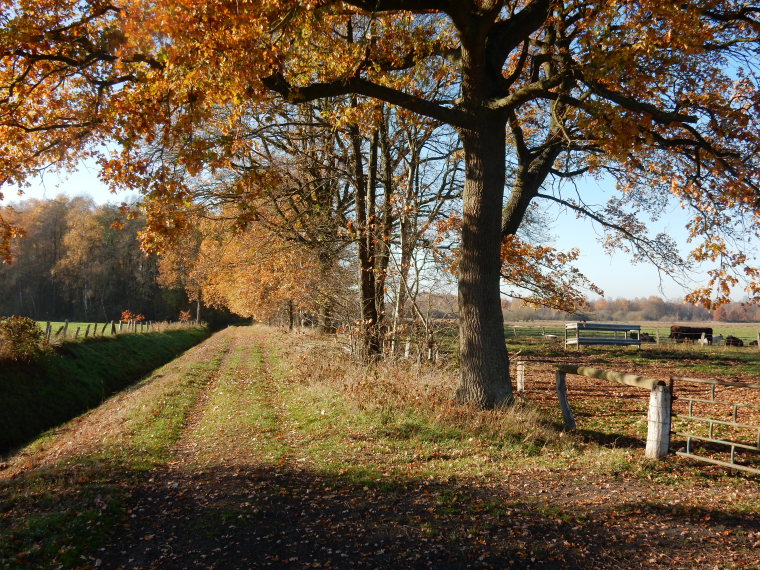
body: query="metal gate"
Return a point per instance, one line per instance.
(721, 427)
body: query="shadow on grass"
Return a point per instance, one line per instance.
(613, 440)
(243, 517)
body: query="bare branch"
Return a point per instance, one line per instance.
(359, 86)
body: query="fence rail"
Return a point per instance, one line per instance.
(658, 415)
(690, 418)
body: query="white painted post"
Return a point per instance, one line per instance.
(521, 377)
(658, 428)
(657, 335)
(407, 347)
(567, 413)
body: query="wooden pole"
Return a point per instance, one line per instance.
(521, 377)
(48, 330)
(658, 422)
(567, 413)
(65, 328)
(87, 331)
(76, 333)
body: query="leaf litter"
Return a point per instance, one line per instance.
(290, 458)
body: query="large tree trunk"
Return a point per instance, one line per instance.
(485, 378)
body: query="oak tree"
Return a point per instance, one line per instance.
(661, 96)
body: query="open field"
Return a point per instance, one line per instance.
(745, 331)
(78, 329)
(260, 449)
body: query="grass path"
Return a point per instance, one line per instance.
(250, 452)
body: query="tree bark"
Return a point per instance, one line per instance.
(485, 378)
(369, 325)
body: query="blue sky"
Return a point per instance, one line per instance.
(616, 275)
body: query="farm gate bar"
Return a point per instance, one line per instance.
(732, 425)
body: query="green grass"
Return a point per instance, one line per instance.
(77, 330)
(77, 376)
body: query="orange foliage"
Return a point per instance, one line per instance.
(128, 316)
(661, 95)
(254, 272)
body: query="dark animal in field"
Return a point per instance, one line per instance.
(646, 337)
(734, 341)
(753, 343)
(680, 333)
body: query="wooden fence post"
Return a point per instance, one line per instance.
(113, 328)
(87, 331)
(521, 377)
(65, 328)
(48, 330)
(658, 422)
(567, 413)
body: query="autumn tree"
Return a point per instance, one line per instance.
(178, 267)
(660, 96)
(73, 262)
(26, 287)
(257, 273)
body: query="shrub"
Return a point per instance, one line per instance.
(128, 316)
(20, 339)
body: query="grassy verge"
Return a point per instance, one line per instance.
(77, 376)
(64, 509)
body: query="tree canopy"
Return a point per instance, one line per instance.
(660, 96)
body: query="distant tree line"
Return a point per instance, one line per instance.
(82, 261)
(652, 308)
